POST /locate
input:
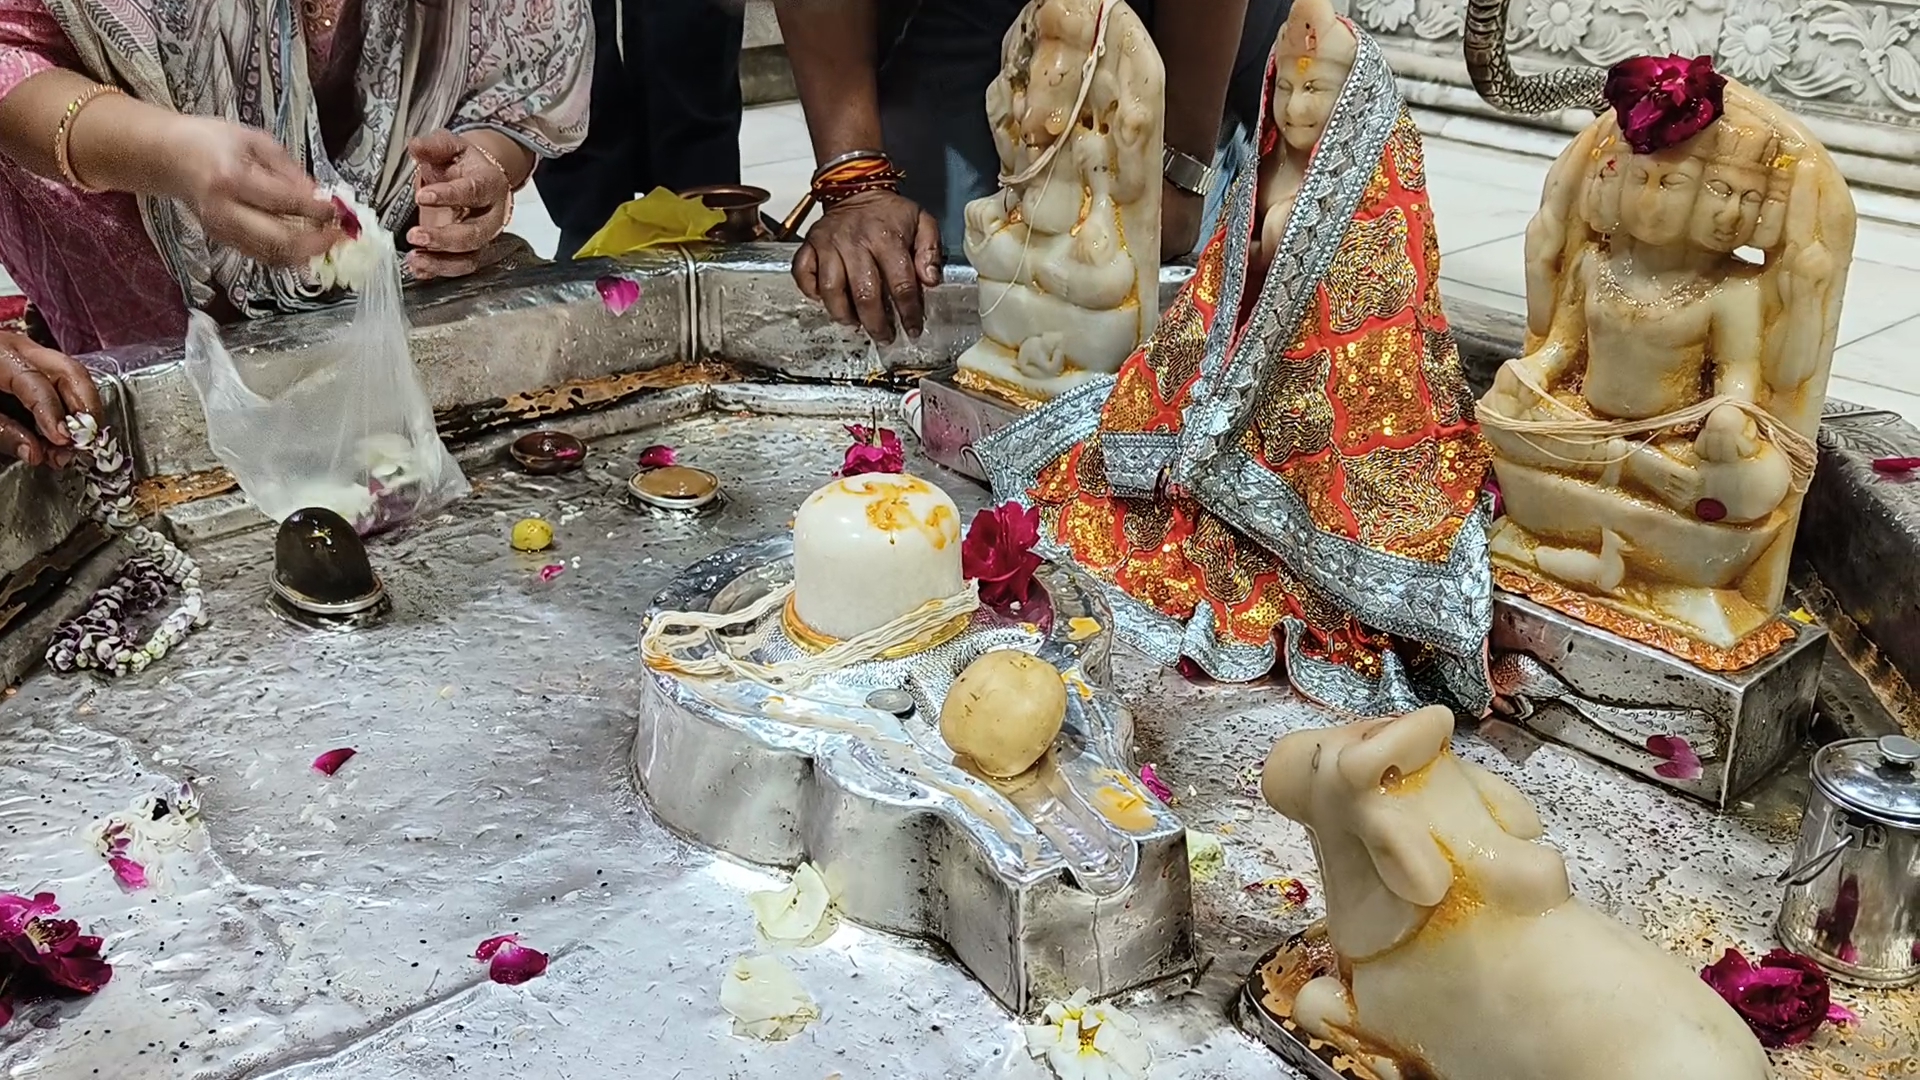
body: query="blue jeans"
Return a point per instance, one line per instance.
(933, 88)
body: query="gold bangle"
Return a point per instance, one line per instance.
(63, 136)
(504, 175)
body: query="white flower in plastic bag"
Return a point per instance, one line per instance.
(796, 914)
(1083, 1041)
(765, 1000)
(366, 250)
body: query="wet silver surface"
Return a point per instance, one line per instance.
(319, 927)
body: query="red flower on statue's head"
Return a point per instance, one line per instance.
(1784, 998)
(1662, 101)
(998, 553)
(874, 450)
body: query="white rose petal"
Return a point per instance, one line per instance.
(795, 914)
(1083, 1041)
(765, 1000)
(352, 263)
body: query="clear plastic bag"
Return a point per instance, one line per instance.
(345, 425)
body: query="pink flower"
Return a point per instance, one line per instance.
(330, 762)
(657, 457)
(1679, 762)
(873, 451)
(552, 570)
(1492, 488)
(42, 957)
(509, 962)
(1662, 102)
(1150, 779)
(998, 553)
(618, 294)
(1784, 998)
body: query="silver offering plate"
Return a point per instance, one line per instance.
(1068, 877)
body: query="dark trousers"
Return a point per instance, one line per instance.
(933, 89)
(667, 114)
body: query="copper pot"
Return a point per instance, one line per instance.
(741, 203)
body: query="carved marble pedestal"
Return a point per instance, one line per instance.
(953, 418)
(1606, 695)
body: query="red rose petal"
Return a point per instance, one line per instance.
(657, 457)
(509, 962)
(330, 762)
(1841, 1016)
(618, 293)
(1680, 762)
(1896, 466)
(1190, 670)
(1492, 488)
(998, 553)
(1661, 102)
(17, 911)
(1784, 999)
(552, 570)
(873, 451)
(1150, 779)
(1710, 510)
(349, 221)
(130, 874)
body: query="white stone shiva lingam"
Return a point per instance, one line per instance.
(1457, 948)
(759, 737)
(1654, 443)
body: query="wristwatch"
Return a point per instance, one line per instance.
(1188, 173)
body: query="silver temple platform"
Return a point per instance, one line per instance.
(322, 929)
(1039, 885)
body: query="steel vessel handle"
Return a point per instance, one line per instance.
(1806, 872)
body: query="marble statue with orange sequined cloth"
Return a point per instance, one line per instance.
(1291, 460)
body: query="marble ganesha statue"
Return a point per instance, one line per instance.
(1653, 445)
(1463, 953)
(1068, 251)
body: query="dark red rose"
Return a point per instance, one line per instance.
(873, 451)
(1664, 101)
(998, 553)
(43, 957)
(1784, 998)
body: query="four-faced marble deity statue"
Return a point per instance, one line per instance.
(1068, 251)
(1683, 298)
(1463, 953)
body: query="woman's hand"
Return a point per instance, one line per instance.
(248, 193)
(464, 194)
(53, 386)
(867, 259)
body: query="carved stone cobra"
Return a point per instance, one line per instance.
(1503, 88)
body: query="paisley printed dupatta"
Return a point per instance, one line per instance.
(1298, 466)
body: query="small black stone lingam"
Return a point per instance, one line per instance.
(320, 566)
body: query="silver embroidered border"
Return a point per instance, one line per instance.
(1135, 460)
(1449, 605)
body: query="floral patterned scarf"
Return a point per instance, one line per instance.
(522, 67)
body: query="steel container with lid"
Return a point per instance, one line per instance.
(1853, 892)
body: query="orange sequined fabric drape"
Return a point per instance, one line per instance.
(1364, 416)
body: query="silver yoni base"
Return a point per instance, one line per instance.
(1606, 695)
(1034, 889)
(953, 418)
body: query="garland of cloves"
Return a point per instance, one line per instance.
(99, 636)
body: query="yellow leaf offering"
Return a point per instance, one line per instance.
(660, 218)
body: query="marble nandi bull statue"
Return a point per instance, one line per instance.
(1464, 954)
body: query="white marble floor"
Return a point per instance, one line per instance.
(1483, 198)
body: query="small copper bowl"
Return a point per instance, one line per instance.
(674, 487)
(544, 453)
(741, 203)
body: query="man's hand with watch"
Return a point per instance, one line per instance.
(1187, 183)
